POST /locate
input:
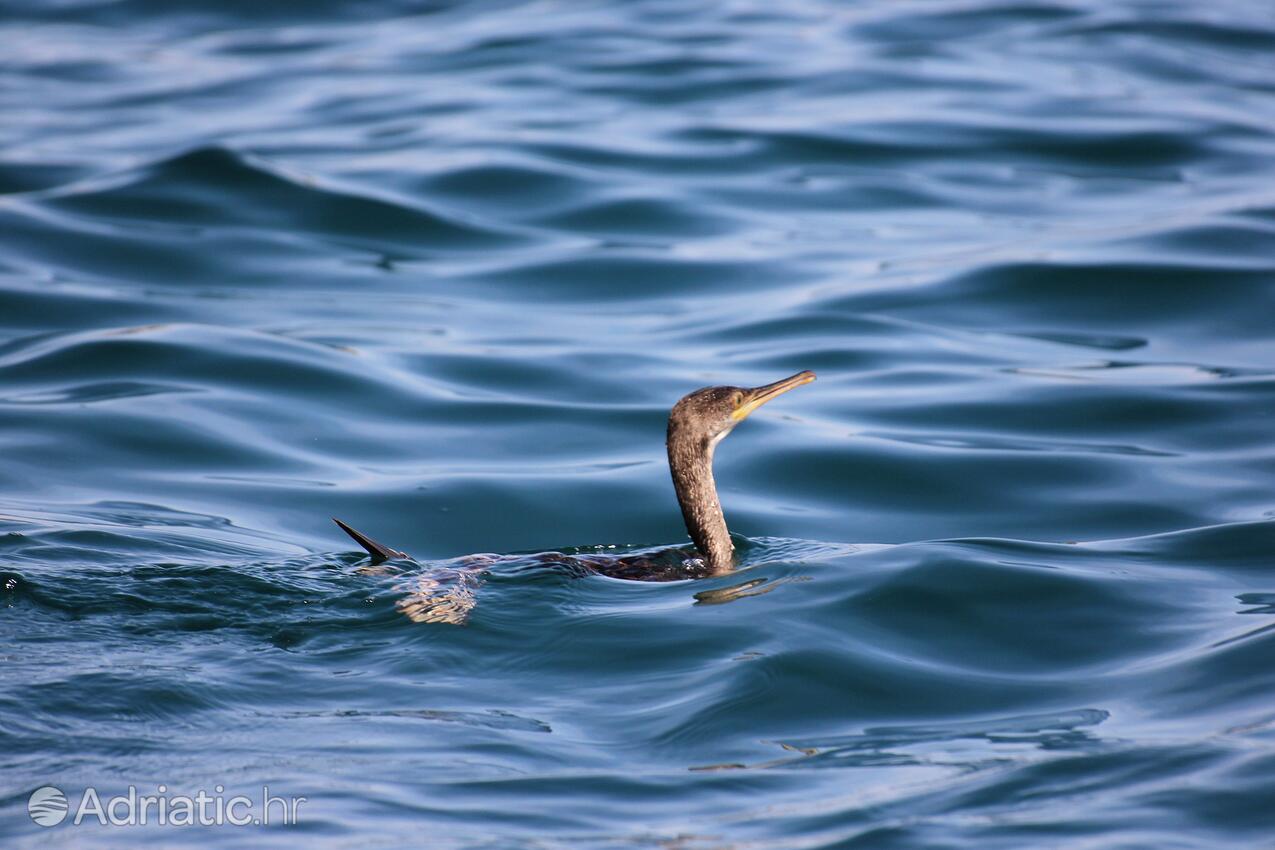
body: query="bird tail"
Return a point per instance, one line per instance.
(378, 551)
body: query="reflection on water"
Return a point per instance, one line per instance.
(1000, 740)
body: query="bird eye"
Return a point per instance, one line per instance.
(738, 400)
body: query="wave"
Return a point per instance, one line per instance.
(441, 270)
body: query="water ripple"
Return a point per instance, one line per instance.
(441, 269)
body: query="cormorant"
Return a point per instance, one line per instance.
(696, 424)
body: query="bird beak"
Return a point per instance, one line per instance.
(755, 398)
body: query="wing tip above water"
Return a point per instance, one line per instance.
(378, 551)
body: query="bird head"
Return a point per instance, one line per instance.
(705, 416)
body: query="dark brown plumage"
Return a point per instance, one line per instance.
(696, 424)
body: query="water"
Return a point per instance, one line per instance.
(441, 269)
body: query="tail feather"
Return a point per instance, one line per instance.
(378, 551)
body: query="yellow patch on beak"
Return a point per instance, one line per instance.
(755, 398)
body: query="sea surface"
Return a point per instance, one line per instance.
(1007, 568)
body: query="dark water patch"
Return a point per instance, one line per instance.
(1082, 294)
(695, 158)
(73, 368)
(627, 273)
(216, 187)
(488, 720)
(197, 16)
(27, 305)
(1186, 28)
(1239, 547)
(118, 697)
(512, 187)
(927, 25)
(644, 216)
(81, 251)
(20, 177)
(1230, 244)
(936, 597)
(113, 533)
(1108, 343)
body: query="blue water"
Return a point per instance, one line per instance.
(440, 269)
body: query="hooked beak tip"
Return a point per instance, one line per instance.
(760, 395)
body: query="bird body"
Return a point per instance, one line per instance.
(697, 423)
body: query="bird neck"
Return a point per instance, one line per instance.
(690, 461)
